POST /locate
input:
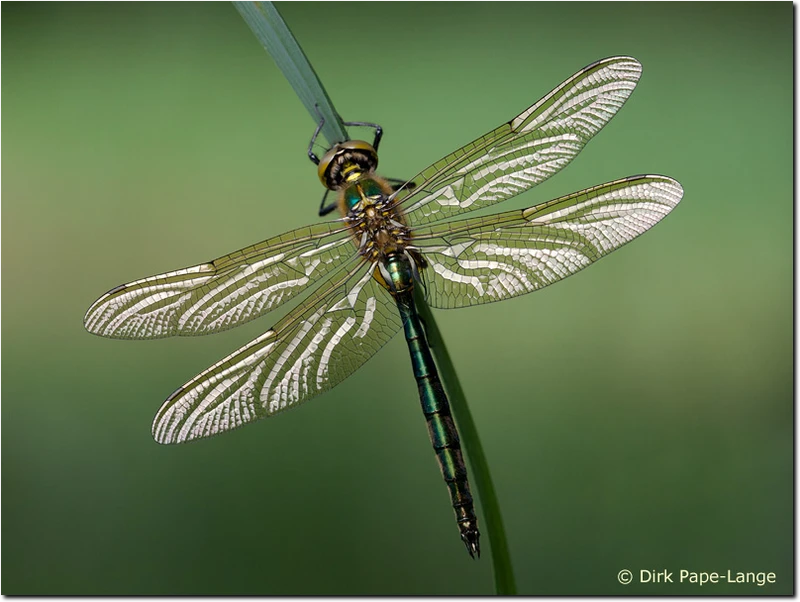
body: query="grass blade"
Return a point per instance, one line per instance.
(271, 30)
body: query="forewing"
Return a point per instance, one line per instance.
(223, 293)
(525, 151)
(481, 260)
(322, 342)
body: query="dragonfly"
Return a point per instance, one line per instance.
(359, 272)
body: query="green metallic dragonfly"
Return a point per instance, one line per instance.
(366, 264)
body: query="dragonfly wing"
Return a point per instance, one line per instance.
(481, 260)
(319, 344)
(525, 151)
(222, 293)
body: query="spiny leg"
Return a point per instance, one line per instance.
(378, 131)
(311, 154)
(325, 210)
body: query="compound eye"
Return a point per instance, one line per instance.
(323, 170)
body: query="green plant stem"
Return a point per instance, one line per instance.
(271, 30)
(273, 33)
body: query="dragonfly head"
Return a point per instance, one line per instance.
(347, 162)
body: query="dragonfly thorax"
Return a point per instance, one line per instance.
(378, 227)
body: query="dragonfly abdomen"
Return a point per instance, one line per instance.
(441, 428)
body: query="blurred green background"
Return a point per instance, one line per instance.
(638, 415)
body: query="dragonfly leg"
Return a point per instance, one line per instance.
(378, 131)
(323, 209)
(311, 154)
(399, 184)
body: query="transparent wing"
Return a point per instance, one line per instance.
(525, 151)
(481, 260)
(319, 344)
(223, 293)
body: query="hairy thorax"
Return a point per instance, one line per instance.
(378, 226)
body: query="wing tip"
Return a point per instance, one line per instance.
(633, 64)
(676, 189)
(89, 321)
(160, 428)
